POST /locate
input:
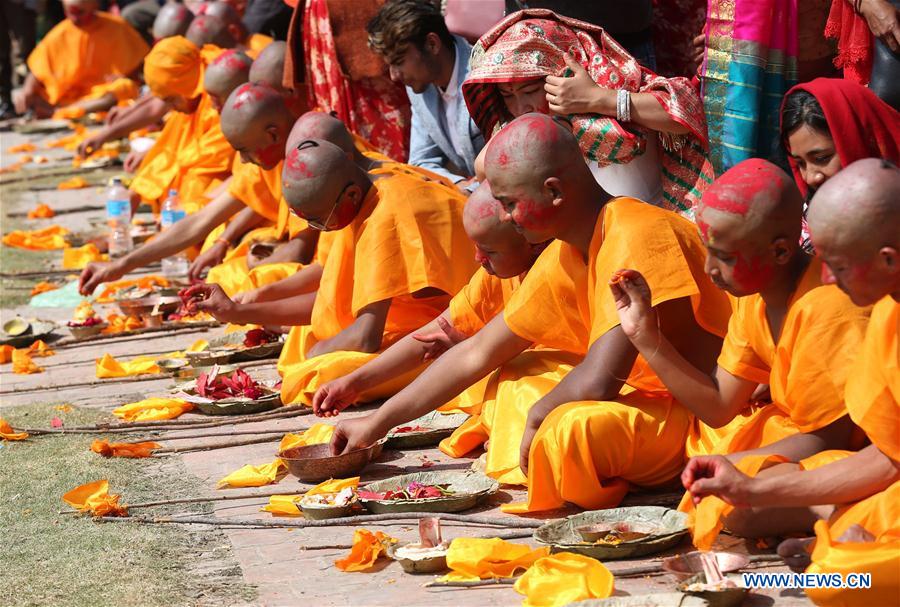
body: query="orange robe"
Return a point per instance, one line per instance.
(499, 403)
(191, 155)
(873, 401)
(256, 43)
(74, 62)
(806, 369)
(407, 236)
(588, 452)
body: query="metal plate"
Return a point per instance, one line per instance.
(561, 535)
(469, 488)
(439, 426)
(39, 330)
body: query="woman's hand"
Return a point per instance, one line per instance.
(883, 20)
(578, 93)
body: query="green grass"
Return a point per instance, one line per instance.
(52, 559)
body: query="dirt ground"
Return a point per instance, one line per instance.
(60, 559)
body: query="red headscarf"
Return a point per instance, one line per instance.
(861, 124)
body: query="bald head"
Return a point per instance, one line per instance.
(80, 12)
(206, 29)
(752, 200)
(322, 184)
(319, 125)
(256, 122)
(537, 171)
(227, 72)
(499, 248)
(854, 221)
(225, 12)
(268, 67)
(172, 20)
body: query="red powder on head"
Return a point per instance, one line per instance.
(532, 216)
(296, 167)
(200, 23)
(503, 159)
(737, 189)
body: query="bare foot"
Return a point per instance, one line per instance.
(796, 552)
(856, 533)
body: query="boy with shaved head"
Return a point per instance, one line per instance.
(593, 440)
(854, 221)
(788, 331)
(226, 20)
(504, 257)
(392, 252)
(85, 64)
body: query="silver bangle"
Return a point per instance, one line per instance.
(623, 105)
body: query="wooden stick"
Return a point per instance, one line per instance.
(500, 581)
(510, 535)
(180, 328)
(511, 522)
(214, 446)
(221, 435)
(81, 209)
(174, 424)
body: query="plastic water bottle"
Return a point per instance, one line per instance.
(118, 217)
(175, 266)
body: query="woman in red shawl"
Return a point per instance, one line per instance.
(517, 67)
(830, 122)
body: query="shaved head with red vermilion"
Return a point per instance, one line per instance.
(749, 219)
(322, 184)
(206, 29)
(499, 248)
(854, 222)
(320, 125)
(172, 20)
(256, 122)
(227, 72)
(532, 164)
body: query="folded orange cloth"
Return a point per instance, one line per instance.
(562, 579)
(108, 366)
(107, 449)
(95, 498)
(286, 505)
(77, 258)
(51, 237)
(69, 142)
(22, 363)
(472, 559)
(7, 432)
(43, 287)
(367, 548)
(39, 348)
(76, 183)
(6, 353)
(119, 323)
(153, 409)
(314, 435)
(21, 148)
(254, 476)
(41, 211)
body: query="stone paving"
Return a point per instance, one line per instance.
(281, 563)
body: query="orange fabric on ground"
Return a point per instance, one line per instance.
(96, 499)
(6, 354)
(75, 183)
(806, 369)
(367, 548)
(119, 324)
(565, 303)
(144, 282)
(151, 409)
(134, 450)
(407, 236)
(472, 559)
(21, 148)
(43, 287)
(70, 60)
(49, 238)
(254, 476)
(41, 211)
(191, 154)
(562, 579)
(22, 363)
(78, 258)
(7, 432)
